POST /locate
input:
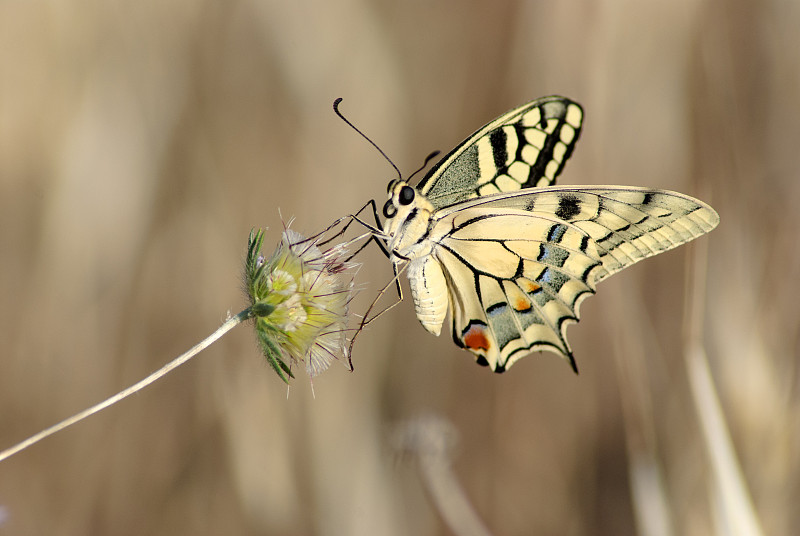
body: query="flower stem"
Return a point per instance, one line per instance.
(166, 369)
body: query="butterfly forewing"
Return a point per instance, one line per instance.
(526, 147)
(628, 224)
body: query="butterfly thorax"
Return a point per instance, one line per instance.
(407, 224)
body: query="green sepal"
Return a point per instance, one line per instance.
(271, 350)
(261, 309)
(254, 273)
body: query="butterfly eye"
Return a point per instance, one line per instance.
(389, 210)
(406, 195)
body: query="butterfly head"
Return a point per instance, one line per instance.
(407, 214)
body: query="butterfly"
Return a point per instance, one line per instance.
(486, 236)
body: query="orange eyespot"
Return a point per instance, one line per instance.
(475, 338)
(522, 305)
(529, 286)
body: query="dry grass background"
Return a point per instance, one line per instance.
(140, 142)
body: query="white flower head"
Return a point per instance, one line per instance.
(300, 298)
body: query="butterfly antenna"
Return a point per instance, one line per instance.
(428, 158)
(351, 125)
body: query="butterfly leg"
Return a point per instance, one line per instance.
(375, 233)
(374, 230)
(378, 225)
(350, 218)
(367, 319)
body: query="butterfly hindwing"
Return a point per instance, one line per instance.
(518, 265)
(523, 148)
(516, 278)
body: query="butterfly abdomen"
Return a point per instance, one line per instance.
(429, 291)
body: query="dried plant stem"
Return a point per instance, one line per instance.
(449, 497)
(737, 512)
(166, 369)
(431, 440)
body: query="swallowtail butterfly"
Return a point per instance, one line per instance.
(488, 237)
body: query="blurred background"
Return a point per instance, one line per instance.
(141, 141)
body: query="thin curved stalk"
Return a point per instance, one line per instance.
(166, 369)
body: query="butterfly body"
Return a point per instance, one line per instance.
(488, 238)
